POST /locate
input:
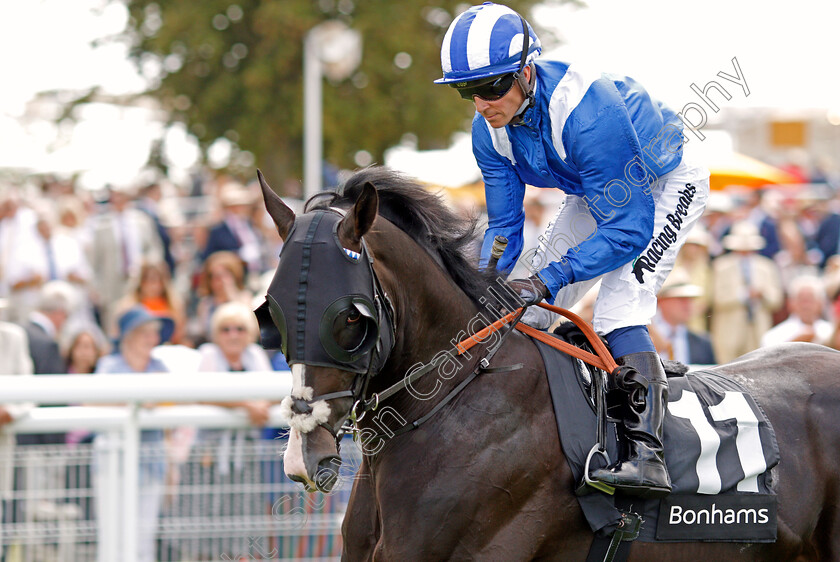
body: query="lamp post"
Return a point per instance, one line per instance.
(329, 49)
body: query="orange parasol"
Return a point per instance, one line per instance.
(738, 169)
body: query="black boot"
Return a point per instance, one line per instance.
(643, 472)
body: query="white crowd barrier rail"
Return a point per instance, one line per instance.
(223, 498)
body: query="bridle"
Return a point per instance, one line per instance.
(374, 357)
(363, 294)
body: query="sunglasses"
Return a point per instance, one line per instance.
(488, 91)
(228, 329)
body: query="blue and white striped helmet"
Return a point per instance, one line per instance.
(484, 41)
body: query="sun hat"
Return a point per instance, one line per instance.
(678, 284)
(744, 236)
(699, 236)
(139, 315)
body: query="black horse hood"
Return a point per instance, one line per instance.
(322, 308)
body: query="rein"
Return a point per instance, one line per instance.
(482, 366)
(603, 360)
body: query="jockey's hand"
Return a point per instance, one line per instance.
(531, 290)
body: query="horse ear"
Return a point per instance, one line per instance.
(360, 218)
(282, 215)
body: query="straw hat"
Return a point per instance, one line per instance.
(678, 284)
(719, 202)
(744, 237)
(698, 235)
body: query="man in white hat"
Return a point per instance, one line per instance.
(746, 291)
(670, 332)
(17, 230)
(235, 232)
(43, 330)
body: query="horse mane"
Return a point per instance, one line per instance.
(424, 216)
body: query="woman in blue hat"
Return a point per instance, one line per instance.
(140, 332)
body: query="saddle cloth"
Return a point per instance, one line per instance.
(719, 449)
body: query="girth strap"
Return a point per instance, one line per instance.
(616, 547)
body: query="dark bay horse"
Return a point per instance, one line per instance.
(483, 477)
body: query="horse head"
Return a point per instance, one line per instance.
(326, 311)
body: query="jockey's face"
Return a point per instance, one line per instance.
(499, 113)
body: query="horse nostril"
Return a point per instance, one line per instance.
(327, 474)
(301, 406)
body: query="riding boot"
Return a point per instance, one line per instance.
(643, 472)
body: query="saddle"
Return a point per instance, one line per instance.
(720, 450)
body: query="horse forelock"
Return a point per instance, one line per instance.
(423, 216)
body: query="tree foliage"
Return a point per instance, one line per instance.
(233, 69)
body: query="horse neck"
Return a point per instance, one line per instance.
(431, 315)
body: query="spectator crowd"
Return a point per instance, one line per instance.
(134, 281)
(763, 266)
(763, 269)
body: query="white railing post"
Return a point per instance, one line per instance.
(108, 508)
(131, 482)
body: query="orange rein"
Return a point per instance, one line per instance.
(603, 360)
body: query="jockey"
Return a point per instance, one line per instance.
(631, 199)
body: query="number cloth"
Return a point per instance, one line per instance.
(717, 441)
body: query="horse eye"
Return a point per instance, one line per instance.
(349, 330)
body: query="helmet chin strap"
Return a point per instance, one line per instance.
(527, 87)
